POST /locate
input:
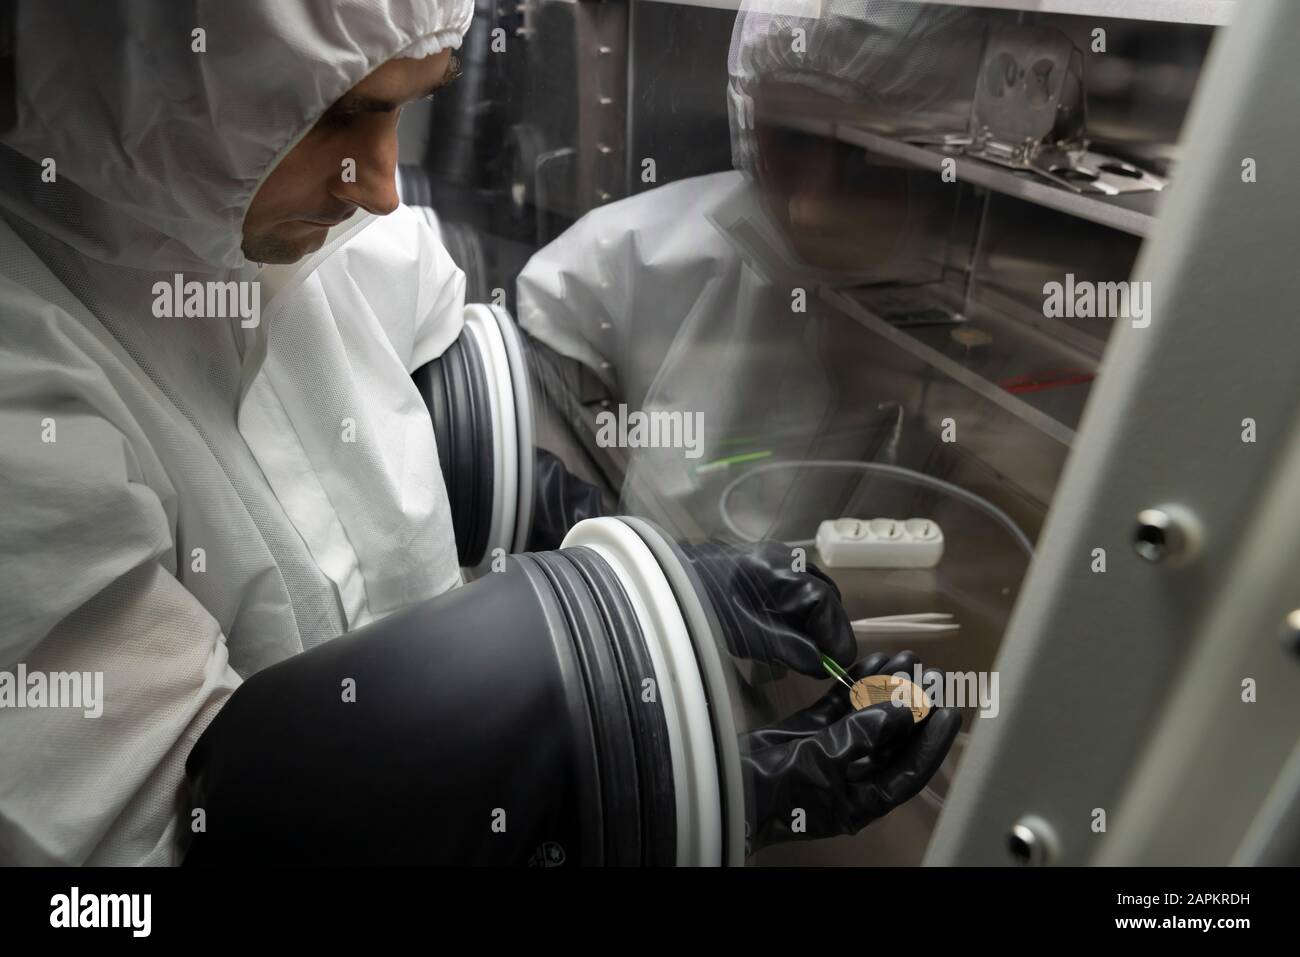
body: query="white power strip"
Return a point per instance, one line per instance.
(880, 543)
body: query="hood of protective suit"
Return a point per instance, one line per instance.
(143, 130)
(905, 67)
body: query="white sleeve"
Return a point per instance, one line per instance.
(85, 589)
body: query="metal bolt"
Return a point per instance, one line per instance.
(1031, 842)
(1291, 632)
(1164, 534)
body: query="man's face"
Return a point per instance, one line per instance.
(307, 192)
(841, 210)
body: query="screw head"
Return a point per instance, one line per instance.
(1031, 842)
(1166, 534)
(1291, 632)
(1151, 537)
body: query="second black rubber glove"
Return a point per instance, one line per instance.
(829, 770)
(769, 611)
(560, 501)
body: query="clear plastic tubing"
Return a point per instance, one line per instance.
(894, 471)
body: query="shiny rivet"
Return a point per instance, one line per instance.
(1167, 534)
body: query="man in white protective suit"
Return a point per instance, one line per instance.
(223, 494)
(181, 507)
(691, 297)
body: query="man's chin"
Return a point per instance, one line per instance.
(282, 251)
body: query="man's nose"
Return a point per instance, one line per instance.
(372, 184)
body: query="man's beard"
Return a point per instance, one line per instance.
(269, 248)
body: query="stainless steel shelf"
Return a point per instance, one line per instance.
(1036, 418)
(1131, 213)
(1214, 13)
(1207, 12)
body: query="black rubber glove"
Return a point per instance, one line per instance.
(560, 501)
(842, 768)
(768, 611)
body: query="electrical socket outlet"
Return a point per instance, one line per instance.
(879, 543)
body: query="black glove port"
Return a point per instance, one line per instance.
(577, 707)
(500, 723)
(479, 400)
(504, 493)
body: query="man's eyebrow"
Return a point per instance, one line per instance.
(360, 103)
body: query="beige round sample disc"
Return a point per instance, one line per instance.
(970, 338)
(877, 689)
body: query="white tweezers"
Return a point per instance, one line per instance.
(932, 622)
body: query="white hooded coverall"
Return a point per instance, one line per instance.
(680, 298)
(186, 500)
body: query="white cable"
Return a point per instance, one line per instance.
(896, 471)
